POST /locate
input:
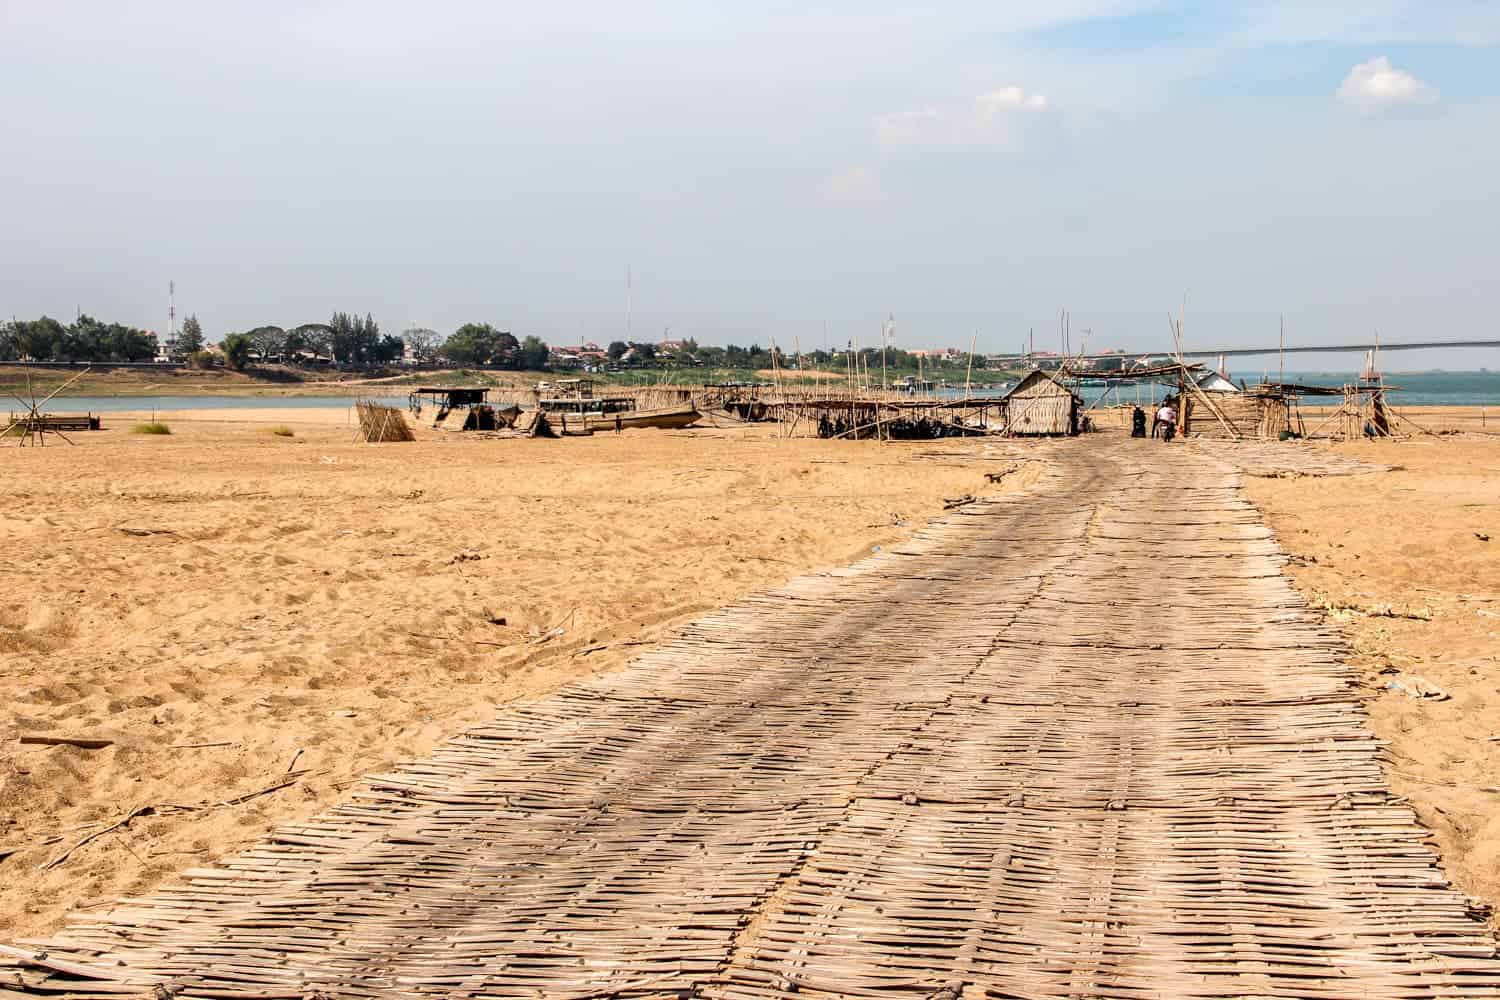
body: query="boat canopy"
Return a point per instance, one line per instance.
(453, 396)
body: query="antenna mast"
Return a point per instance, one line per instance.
(171, 310)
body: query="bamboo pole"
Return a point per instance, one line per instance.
(885, 377)
(969, 375)
(1342, 411)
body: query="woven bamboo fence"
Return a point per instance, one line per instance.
(1252, 416)
(1042, 413)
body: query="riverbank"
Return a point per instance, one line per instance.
(20, 380)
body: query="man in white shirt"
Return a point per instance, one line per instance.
(1167, 418)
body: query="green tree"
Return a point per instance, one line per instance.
(40, 339)
(354, 341)
(343, 340)
(190, 338)
(126, 343)
(315, 337)
(368, 338)
(479, 344)
(268, 341)
(533, 355)
(83, 340)
(389, 349)
(8, 349)
(236, 348)
(87, 339)
(617, 349)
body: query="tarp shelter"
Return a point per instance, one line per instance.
(1216, 382)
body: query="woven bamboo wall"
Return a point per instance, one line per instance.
(1040, 411)
(1251, 416)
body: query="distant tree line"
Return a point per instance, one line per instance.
(689, 353)
(346, 339)
(349, 340)
(85, 339)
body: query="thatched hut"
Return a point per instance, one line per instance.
(1042, 404)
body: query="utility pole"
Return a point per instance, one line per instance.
(171, 310)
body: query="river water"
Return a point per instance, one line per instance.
(115, 404)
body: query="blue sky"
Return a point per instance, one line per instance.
(762, 171)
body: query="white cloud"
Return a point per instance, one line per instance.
(1377, 86)
(995, 120)
(856, 186)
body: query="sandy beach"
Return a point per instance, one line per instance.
(255, 620)
(1408, 561)
(228, 606)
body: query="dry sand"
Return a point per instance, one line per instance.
(228, 605)
(332, 607)
(1409, 542)
(1413, 420)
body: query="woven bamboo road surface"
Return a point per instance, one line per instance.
(1286, 459)
(1082, 740)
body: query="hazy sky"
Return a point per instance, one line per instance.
(761, 169)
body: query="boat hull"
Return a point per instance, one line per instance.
(662, 417)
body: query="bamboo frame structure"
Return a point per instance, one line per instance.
(33, 422)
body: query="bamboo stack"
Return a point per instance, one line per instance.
(381, 423)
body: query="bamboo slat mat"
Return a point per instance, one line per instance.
(1078, 741)
(1286, 458)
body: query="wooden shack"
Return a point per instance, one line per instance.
(1042, 404)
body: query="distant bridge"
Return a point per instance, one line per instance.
(1234, 352)
(1414, 345)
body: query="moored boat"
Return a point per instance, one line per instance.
(567, 417)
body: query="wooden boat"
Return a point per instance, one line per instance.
(573, 419)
